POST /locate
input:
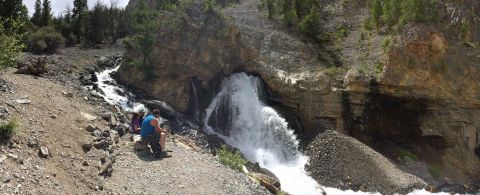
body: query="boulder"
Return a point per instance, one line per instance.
(166, 111)
(340, 161)
(271, 183)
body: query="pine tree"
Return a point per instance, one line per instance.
(36, 17)
(113, 22)
(12, 14)
(98, 23)
(144, 25)
(376, 12)
(11, 9)
(46, 13)
(392, 12)
(412, 10)
(79, 17)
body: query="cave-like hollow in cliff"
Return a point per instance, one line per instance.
(390, 123)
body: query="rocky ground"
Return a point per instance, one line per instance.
(188, 171)
(69, 140)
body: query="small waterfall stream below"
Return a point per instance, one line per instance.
(113, 93)
(248, 124)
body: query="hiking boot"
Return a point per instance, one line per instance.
(165, 155)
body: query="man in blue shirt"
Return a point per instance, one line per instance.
(150, 132)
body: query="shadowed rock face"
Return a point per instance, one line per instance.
(426, 96)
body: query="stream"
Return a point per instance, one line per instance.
(238, 115)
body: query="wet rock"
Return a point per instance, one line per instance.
(43, 152)
(271, 183)
(215, 141)
(255, 167)
(451, 188)
(166, 111)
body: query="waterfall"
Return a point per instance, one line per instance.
(113, 93)
(239, 116)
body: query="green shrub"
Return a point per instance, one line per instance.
(230, 158)
(45, 40)
(386, 44)
(289, 17)
(10, 44)
(310, 25)
(8, 129)
(406, 155)
(394, 14)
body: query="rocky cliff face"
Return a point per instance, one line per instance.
(420, 91)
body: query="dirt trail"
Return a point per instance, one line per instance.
(187, 171)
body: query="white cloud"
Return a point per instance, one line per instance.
(59, 6)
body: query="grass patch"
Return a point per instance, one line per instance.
(233, 159)
(407, 155)
(386, 44)
(8, 129)
(379, 68)
(435, 170)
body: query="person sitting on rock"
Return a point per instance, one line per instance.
(150, 132)
(136, 124)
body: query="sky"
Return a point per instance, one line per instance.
(58, 6)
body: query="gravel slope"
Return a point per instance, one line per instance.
(187, 171)
(343, 162)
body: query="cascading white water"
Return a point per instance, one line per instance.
(113, 93)
(260, 133)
